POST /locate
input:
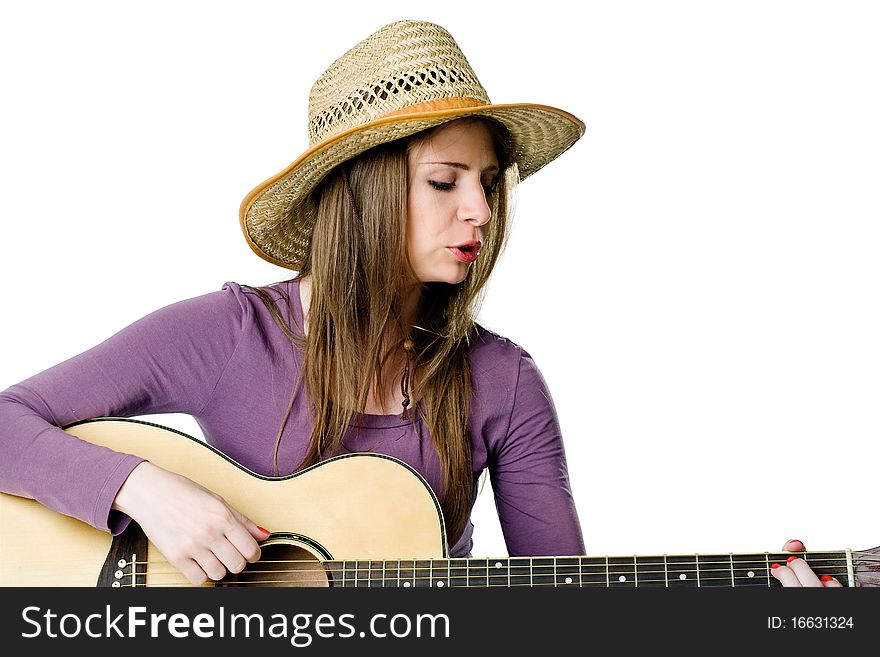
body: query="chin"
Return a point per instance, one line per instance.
(452, 278)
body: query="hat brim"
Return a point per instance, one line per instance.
(277, 216)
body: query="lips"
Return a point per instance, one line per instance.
(466, 251)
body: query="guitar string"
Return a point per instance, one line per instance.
(757, 582)
(523, 562)
(491, 572)
(406, 574)
(417, 572)
(811, 557)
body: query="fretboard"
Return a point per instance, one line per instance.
(697, 570)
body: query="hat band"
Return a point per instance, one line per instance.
(439, 104)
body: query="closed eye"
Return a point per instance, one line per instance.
(445, 187)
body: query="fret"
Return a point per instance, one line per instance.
(459, 572)
(829, 563)
(406, 573)
(352, 574)
(775, 557)
(681, 571)
(621, 572)
(478, 572)
(439, 575)
(376, 574)
(391, 577)
(650, 571)
(714, 570)
(498, 572)
(361, 574)
(543, 571)
(422, 575)
(519, 572)
(567, 571)
(749, 570)
(594, 571)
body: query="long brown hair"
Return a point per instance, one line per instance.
(360, 272)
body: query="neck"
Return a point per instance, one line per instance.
(410, 306)
(395, 370)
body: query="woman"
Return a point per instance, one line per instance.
(393, 219)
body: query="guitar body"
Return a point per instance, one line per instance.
(358, 506)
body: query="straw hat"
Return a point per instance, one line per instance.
(406, 77)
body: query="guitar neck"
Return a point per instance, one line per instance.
(694, 571)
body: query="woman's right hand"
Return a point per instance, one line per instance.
(195, 529)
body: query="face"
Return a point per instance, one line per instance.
(450, 177)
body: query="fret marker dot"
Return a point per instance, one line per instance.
(682, 576)
(439, 583)
(751, 573)
(568, 580)
(405, 584)
(498, 564)
(622, 578)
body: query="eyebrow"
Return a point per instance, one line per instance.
(459, 165)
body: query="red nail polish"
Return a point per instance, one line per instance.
(265, 531)
(774, 565)
(791, 558)
(826, 578)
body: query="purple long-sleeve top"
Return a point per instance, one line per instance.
(222, 359)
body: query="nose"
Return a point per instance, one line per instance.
(474, 207)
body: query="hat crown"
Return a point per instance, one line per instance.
(400, 65)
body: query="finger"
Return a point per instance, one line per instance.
(784, 574)
(804, 573)
(257, 532)
(829, 582)
(794, 545)
(244, 543)
(192, 571)
(228, 555)
(254, 529)
(212, 566)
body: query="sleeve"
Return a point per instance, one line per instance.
(530, 474)
(166, 362)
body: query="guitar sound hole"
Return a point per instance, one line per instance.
(281, 564)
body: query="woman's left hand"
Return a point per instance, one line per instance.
(797, 572)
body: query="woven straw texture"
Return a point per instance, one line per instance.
(406, 77)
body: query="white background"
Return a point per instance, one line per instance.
(697, 278)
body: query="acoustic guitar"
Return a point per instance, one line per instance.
(358, 520)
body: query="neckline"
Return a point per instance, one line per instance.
(363, 420)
